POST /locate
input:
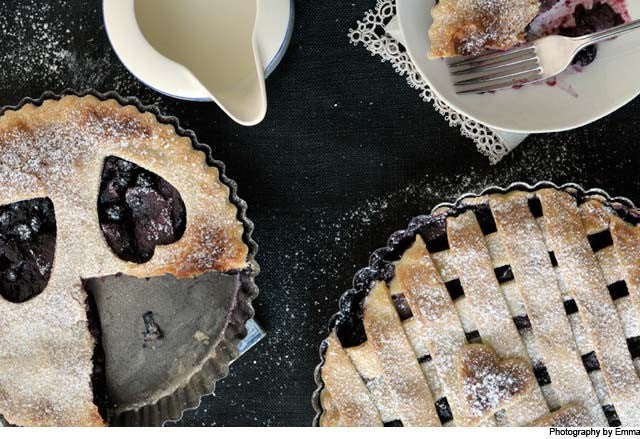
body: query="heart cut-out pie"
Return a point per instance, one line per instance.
(91, 188)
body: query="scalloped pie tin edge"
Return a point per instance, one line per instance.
(172, 407)
(442, 207)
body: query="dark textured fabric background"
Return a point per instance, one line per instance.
(347, 154)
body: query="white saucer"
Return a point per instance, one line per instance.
(273, 31)
(578, 98)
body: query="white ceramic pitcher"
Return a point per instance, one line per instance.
(209, 42)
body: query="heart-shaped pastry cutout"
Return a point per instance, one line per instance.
(488, 384)
(138, 210)
(27, 246)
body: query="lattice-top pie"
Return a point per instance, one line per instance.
(89, 188)
(506, 309)
(469, 27)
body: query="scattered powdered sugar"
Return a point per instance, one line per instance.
(37, 45)
(53, 46)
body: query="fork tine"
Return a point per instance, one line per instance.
(490, 56)
(492, 77)
(496, 65)
(501, 85)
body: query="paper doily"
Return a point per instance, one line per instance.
(371, 33)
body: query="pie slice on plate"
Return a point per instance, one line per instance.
(470, 27)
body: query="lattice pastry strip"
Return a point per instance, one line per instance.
(586, 284)
(523, 241)
(542, 374)
(589, 358)
(366, 363)
(429, 299)
(572, 415)
(402, 373)
(609, 265)
(595, 216)
(414, 329)
(349, 394)
(626, 240)
(628, 314)
(331, 414)
(488, 306)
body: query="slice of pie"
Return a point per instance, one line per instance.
(470, 27)
(91, 188)
(507, 309)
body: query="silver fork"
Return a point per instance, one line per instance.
(533, 62)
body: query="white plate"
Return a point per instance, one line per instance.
(273, 34)
(581, 98)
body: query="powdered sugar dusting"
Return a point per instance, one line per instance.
(41, 46)
(487, 385)
(53, 46)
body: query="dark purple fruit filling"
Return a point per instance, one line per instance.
(138, 210)
(600, 17)
(27, 247)
(545, 5)
(402, 306)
